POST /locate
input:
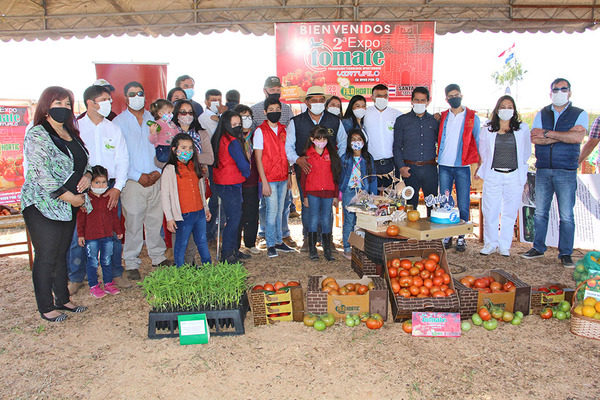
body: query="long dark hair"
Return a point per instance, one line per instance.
(172, 93)
(180, 137)
(224, 128)
(515, 122)
(44, 104)
(350, 114)
(319, 132)
(195, 125)
(364, 152)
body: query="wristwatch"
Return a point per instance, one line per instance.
(546, 133)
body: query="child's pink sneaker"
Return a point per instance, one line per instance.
(97, 291)
(111, 288)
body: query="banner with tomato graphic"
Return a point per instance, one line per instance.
(13, 121)
(349, 58)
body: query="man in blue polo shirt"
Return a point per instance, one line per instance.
(558, 130)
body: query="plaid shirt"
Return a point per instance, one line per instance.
(595, 129)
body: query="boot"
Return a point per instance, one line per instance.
(326, 242)
(312, 246)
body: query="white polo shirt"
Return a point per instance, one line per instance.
(449, 151)
(379, 126)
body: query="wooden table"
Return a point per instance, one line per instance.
(16, 221)
(423, 229)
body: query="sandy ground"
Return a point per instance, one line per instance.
(105, 352)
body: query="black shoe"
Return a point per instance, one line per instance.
(532, 253)
(327, 247)
(231, 259)
(461, 244)
(284, 247)
(243, 256)
(164, 263)
(447, 242)
(77, 309)
(272, 252)
(59, 318)
(133, 274)
(567, 261)
(312, 246)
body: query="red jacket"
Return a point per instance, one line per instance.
(470, 155)
(101, 222)
(273, 157)
(320, 177)
(227, 172)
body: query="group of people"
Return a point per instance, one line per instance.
(178, 165)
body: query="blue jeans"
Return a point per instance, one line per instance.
(213, 207)
(104, 247)
(422, 177)
(231, 197)
(274, 212)
(349, 217)
(461, 177)
(193, 223)
(563, 183)
(320, 212)
(285, 228)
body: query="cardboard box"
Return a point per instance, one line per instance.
(266, 308)
(540, 300)
(357, 241)
(402, 308)
(374, 301)
(372, 223)
(425, 230)
(362, 265)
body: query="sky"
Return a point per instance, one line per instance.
(236, 61)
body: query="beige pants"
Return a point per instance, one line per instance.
(143, 213)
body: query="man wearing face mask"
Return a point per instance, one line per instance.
(107, 147)
(140, 197)
(415, 139)
(298, 134)
(187, 83)
(209, 119)
(558, 130)
(379, 125)
(458, 142)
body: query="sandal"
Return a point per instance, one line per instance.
(59, 318)
(77, 309)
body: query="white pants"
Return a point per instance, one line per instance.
(501, 200)
(142, 210)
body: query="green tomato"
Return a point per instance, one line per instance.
(491, 324)
(519, 314)
(329, 319)
(568, 314)
(476, 319)
(561, 315)
(350, 321)
(516, 320)
(465, 326)
(564, 306)
(320, 325)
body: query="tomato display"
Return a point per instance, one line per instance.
(487, 284)
(421, 278)
(331, 286)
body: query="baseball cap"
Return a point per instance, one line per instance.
(272, 81)
(104, 82)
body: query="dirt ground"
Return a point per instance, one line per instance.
(105, 352)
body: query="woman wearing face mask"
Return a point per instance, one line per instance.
(186, 120)
(355, 113)
(334, 106)
(176, 94)
(231, 168)
(51, 196)
(504, 147)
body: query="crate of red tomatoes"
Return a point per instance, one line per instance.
(280, 301)
(418, 278)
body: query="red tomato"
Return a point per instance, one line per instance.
(258, 287)
(546, 313)
(484, 314)
(392, 272)
(425, 274)
(407, 326)
(395, 263)
(480, 283)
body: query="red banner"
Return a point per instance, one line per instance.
(152, 76)
(13, 121)
(349, 58)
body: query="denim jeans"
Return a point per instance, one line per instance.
(349, 217)
(213, 207)
(422, 177)
(461, 176)
(249, 222)
(383, 169)
(274, 212)
(103, 247)
(193, 223)
(287, 205)
(563, 183)
(231, 197)
(320, 212)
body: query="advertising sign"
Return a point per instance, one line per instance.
(13, 121)
(433, 324)
(349, 58)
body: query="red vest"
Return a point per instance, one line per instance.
(470, 155)
(273, 157)
(227, 172)
(320, 176)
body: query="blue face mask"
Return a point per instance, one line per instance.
(167, 117)
(357, 145)
(184, 156)
(189, 93)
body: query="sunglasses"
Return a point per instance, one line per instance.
(186, 113)
(133, 94)
(562, 89)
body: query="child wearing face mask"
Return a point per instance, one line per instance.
(95, 233)
(358, 174)
(183, 198)
(163, 129)
(320, 189)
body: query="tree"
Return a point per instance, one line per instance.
(511, 73)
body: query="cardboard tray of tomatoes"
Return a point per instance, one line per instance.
(549, 293)
(270, 306)
(402, 308)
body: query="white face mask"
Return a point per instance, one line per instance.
(317, 108)
(214, 106)
(359, 112)
(105, 108)
(506, 114)
(560, 98)
(419, 108)
(137, 103)
(381, 103)
(334, 110)
(246, 122)
(98, 190)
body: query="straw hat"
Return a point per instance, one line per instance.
(315, 91)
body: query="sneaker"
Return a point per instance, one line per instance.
(254, 250)
(461, 244)
(164, 263)
(447, 242)
(294, 214)
(134, 274)
(487, 250)
(532, 253)
(262, 243)
(284, 247)
(504, 252)
(74, 287)
(97, 292)
(111, 288)
(348, 255)
(123, 282)
(243, 256)
(567, 261)
(289, 241)
(271, 252)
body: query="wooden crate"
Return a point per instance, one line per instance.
(362, 265)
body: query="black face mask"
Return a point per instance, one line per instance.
(274, 116)
(274, 96)
(60, 114)
(455, 102)
(237, 131)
